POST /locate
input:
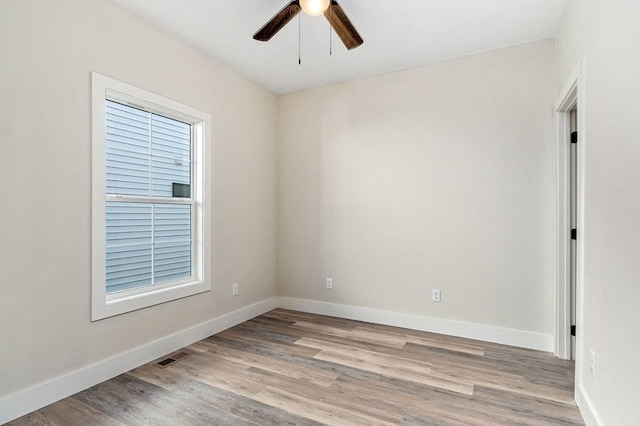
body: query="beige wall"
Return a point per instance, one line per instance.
(47, 51)
(607, 34)
(440, 176)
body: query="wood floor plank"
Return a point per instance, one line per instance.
(393, 339)
(388, 340)
(166, 379)
(324, 413)
(473, 370)
(222, 373)
(294, 368)
(290, 316)
(417, 401)
(218, 400)
(321, 319)
(362, 404)
(424, 378)
(505, 374)
(378, 358)
(250, 336)
(247, 330)
(290, 357)
(308, 374)
(401, 368)
(68, 411)
(451, 346)
(401, 338)
(136, 402)
(531, 410)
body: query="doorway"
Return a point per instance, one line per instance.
(573, 225)
(570, 217)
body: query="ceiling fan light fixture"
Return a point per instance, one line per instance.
(314, 7)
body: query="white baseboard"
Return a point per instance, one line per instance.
(36, 397)
(585, 405)
(487, 333)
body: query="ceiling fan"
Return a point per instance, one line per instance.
(331, 10)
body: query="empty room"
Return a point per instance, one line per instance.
(267, 212)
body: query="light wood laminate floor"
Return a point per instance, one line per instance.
(293, 368)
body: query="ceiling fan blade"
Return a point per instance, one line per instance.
(343, 26)
(278, 22)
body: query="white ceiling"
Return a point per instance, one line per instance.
(397, 34)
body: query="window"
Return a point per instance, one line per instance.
(149, 227)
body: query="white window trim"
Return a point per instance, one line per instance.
(105, 305)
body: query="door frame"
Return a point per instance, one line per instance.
(571, 96)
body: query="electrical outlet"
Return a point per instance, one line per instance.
(435, 295)
(592, 361)
(234, 289)
(329, 282)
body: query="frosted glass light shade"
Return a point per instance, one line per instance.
(314, 7)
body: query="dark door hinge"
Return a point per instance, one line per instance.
(573, 330)
(574, 234)
(574, 137)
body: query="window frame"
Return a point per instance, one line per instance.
(104, 305)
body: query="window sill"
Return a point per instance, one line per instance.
(105, 306)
